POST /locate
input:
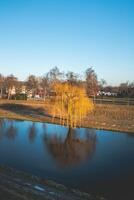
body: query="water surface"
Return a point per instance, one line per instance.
(99, 162)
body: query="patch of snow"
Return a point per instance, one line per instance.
(39, 188)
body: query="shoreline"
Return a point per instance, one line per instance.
(49, 122)
(105, 117)
(16, 184)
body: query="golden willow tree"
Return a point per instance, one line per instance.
(71, 104)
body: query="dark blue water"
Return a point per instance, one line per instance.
(96, 161)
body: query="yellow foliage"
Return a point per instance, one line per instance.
(71, 103)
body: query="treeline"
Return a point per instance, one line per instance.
(123, 90)
(11, 87)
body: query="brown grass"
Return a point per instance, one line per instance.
(104, 116)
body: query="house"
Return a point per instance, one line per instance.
(23, 89)
(11, 90)
(103, 93)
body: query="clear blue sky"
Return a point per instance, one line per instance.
(36, 35)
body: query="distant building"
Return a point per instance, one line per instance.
(12, 90)
(29, 94)
(23, 89)
(102, 93)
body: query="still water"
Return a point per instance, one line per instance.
(97, 161)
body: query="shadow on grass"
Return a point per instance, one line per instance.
(24, 110)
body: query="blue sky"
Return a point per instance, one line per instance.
(36, 35)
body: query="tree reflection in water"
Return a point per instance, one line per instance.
(32, 132)
(2, 126)
(11, 131)
(74, 149)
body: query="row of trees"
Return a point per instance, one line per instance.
(45, 84)
(70, 94)
(123, 90)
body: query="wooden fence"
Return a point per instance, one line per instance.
(117, 101)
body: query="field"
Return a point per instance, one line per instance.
(104, 116)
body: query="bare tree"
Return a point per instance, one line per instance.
(102, 84)
(32, 84)
(10, 82)
(126, 89)
(55, 75)
(72, 78)
(91, 82)
(131, 89)
(44, 83)
(1, 85)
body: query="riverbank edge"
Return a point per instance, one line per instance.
(46, 120)
(25, 185)
(106, 117)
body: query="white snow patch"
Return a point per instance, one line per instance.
(39, 188)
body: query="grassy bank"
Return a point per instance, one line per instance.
(17, 185)
(104, 116)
